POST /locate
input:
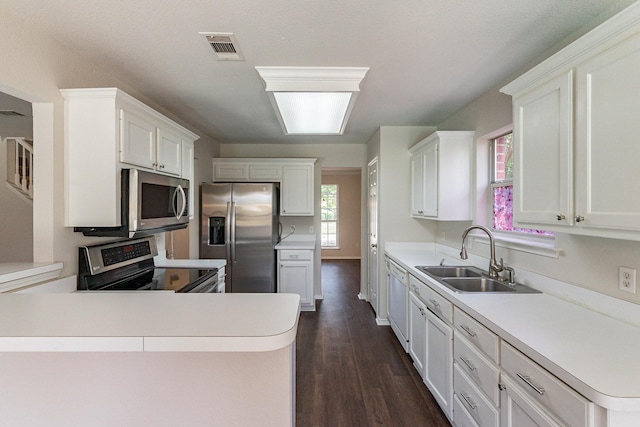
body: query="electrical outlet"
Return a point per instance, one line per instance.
(627, 279)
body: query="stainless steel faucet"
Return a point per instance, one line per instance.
(494, 266)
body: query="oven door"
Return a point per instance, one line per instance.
(207, 283)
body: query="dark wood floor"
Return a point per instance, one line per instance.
(351, 372)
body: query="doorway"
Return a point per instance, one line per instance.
(341, 224)
(16, 170)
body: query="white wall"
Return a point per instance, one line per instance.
(34, 68)
(391, 145)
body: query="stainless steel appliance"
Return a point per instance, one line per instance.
(239, 223)
(150, 203)
(128, 266)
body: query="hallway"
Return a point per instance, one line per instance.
(351, 372)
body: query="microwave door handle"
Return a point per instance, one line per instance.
(184, 202)
(174, 205)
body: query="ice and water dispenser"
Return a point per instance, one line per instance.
(216, 230)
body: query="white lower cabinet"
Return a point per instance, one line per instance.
(438, 371)
(518, 410)
(480, 380)
(417, 332)
(531, 391)
(483, 412)
(295, 275)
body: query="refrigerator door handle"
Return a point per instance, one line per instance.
(227, 232)
(232, 226)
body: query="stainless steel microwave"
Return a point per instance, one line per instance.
(150, 203)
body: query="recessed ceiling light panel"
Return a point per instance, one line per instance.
(312, 100)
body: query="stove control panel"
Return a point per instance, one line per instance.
(110, 256)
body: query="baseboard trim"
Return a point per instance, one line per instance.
(361, 296)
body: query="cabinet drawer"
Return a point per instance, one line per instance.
(433, 300)
(545, 389)
(477, 334)
(462, 417)
(295, 255)
(477, 367)
(472, 399)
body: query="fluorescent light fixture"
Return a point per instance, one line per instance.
(312, 100)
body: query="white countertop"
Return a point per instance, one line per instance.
(14, 275)
(147, 321)
(301, 242)
(593, 353)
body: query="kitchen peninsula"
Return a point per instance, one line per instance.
(151, 358)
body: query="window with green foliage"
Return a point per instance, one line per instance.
(329, 224)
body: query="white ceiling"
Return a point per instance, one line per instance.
(427, 58)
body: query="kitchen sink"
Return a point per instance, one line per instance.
(465, 279)
(451, 271)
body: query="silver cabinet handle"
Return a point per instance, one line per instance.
(161, 166)
(468, 363)
(467, 330)
(154, 164)
(579, 218)
(468, 401)
(527, 380)
(560, 217)
(434, 302)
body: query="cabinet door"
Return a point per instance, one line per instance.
(187, 172)
(430, 166)
(543, 154)
(169, 152)
(607, 129)
(517, 410)
(417, 184)
(137, 140)
(417, 332)
(439, 367)
(266, 172)
(295, 278)
(296, 193)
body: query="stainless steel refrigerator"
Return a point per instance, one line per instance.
(239, 223)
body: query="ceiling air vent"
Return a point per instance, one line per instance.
(225, 46)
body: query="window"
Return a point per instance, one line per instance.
(329, 224)
(502, 187)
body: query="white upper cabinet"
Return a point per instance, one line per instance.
(106, 131)
(296, 194)
(575, 135)
(295, 175)
(607, 129)
(543, 162)
(441, 166)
